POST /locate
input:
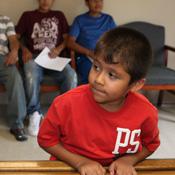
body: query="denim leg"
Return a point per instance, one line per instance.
(33, 77)
(12, 80)
(67, 79)
(83, 68)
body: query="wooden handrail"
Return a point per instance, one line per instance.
(154, 166)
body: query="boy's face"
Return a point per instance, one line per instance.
(45, 4)
(109, 82)
(95, 6)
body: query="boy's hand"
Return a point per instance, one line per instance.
(90, 167)
(11, 58)
(55, 52)
(121, 167)
(26, 55)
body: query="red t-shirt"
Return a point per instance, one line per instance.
(42, 29)
(77, 122)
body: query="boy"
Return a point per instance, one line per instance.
(84, 33)
(106, 123)
(40, 28)
(11, 78)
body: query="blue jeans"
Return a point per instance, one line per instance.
(10, 77)
(34, 73)
(83, 68)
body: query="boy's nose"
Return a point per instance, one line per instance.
(100, 78)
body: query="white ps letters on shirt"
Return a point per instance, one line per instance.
(128, 140)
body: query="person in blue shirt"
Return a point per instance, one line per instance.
(84, 34)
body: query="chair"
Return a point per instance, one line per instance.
(2, 89)
(48, 84)
(159, 77)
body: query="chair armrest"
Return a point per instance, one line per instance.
(73, 62)
(170, 48)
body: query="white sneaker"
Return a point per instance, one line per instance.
(34, 123)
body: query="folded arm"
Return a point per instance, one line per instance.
(72, 44)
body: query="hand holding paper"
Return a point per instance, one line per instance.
(45, 61)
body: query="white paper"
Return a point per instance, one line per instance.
(45, 61)
(90, 59)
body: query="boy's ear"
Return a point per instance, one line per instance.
(137, 85)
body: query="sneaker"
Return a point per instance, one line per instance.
(19, 134)
(34, 123)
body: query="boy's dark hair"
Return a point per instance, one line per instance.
(128, 47)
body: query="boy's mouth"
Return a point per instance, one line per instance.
(98, 91)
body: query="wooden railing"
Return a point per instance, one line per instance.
(147, 167)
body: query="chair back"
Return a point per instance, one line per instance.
(156, 36)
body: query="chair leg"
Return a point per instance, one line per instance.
(160, 98)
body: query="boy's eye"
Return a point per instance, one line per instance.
(96, 67)
(112, 76)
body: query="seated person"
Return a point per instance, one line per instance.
(42, 28)
(106, 122)
(11, 78)
(84, 33)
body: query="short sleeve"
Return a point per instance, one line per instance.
(150, 133)
(49, 131)
(22, 26)
(75, 28)
(64, 23)
(10, 30)
(112, 23)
